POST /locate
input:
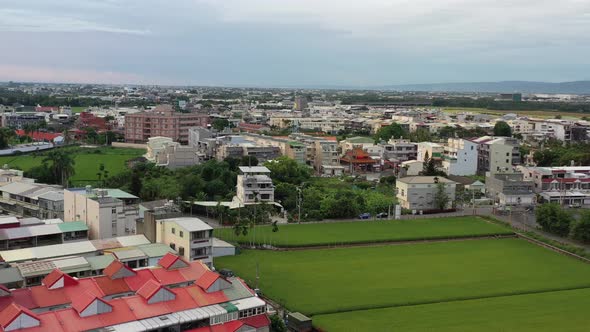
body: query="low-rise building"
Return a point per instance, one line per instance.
(166, 153)
(497, 154)
(419, 192)
(190, 237)
(564, 185)
(434, 151)
(509, 188)
(32, 199)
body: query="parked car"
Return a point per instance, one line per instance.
(365, 216)
(382, 215)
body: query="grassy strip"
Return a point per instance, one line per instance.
(552, 311)
(343, 233)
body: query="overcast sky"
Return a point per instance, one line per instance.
(294, 42)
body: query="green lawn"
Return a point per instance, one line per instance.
(336, 280)
(369, 231)
(554, 311)
(78, 109)
(87, 161)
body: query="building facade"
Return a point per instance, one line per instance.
(419, 192)
(190, 237)
(254, 185)
(162, 121)
(460, 157)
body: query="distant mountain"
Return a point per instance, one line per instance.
(578, 87)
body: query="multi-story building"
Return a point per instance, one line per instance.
(13, 175)
(162, 121)
(564, 185)
(434, 151)
(399, 150)
(32, 199)
(460, 157)
(164, 152)
(563, 130)
(497, 154)
(177, 295)
(509, 188)
(190, 237)
(419, 192)
(20, 120)
(254, 185)
(107, 212)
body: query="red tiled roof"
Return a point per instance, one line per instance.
(10, 313)
(114, 267)
(55, 275)
(207, 279)
(139, 279)
(83, 300)
(149, 289)
(38, 136)
(168, 277)
(112, 286)
(232, 326)
(257, 321)
(21, 297)
(168, 260)
(44, 297)
(568, 180)
(203, 299)
(196, 270)
(4, 288)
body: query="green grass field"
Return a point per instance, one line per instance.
(78, 109)
(87, 162)
(337, 280)
(363, 232)
(544, 114)
(553, 311)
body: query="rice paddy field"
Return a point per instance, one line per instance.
(366, 232)
(486, 284)
(545, 114)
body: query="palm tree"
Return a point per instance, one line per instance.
(62, 166)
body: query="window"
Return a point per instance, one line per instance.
(173, 230)
(181, 251)
(507, 154)
(181, 233)
(265, 196)
(507, 161)
(173, 246)
(114, 210)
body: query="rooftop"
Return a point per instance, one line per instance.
(190, 224)
(424, 180)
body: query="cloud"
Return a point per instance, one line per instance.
(60, 75)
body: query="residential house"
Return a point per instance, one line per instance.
(190, 237)
(419, 192)
(460, 157)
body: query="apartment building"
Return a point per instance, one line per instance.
(190, 237)
(254, 185)
(564, 185)
(460, 157)
(398, 150)
(21, 119)
(418, 192)
(32, 232)
(497, 154)
(323, 124)
(107, 212)
(509, 188)
(563, 130)
(163, 120)
(8, 175)
(434, 151)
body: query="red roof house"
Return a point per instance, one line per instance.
(16, 317)
(57, 279)
(171, 261)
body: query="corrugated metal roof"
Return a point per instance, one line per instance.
(10, 274)
(73, 226)
(190, 224)
(156, 249)
(100, 262)
(8, 220)
(128, 253)
(132, 240)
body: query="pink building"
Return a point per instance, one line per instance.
(163, 120)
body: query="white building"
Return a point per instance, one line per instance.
(419, 192)
(107, 212)
(191, 237)
(164, 152)
(254, 185)
(460, 157)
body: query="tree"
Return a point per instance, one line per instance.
(285, 169)
(581, 229)
(441, 198)
(277, 324)
(502, 129)
(62, 166)
(249, 161)
(554, 219)
(392, 131)
(430, 167)
(6, 134)
(220, 124)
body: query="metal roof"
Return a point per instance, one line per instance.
(10, 274)
(254, 169)
(190, 224)
(100, 262)
(73, 226)
(155, 249)
(8, 220)
(132, 240)
(128, 253)
(247, 303)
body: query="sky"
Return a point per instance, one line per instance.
(287, 43)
